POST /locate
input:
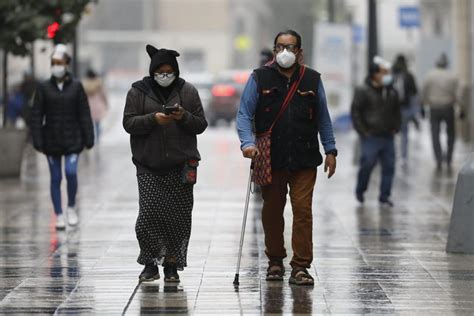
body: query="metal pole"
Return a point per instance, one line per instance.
(75, 56)
(372, 48)
(33, 60)
(331, 11)
(242, 233)
(5, 86)
(471, 68)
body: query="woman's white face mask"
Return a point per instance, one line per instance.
(58, 71)
(165, 79)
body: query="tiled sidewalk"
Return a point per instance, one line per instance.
(367, 260)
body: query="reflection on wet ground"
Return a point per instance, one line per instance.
(367, 259)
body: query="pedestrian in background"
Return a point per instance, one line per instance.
(405, 84)
(440, 92)
(163, 114)
(376, 117)
(295, 153)
(266, 56)
(16, 104)
(61, 127)
(97, 98)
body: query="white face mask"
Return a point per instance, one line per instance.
(285, 59)
(58, 71)
(387, 79)
(164, 79)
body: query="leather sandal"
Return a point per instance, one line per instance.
(301, 276)
(275, 271)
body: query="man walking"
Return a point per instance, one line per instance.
(376, 117)
(294, 149)
(440, 94)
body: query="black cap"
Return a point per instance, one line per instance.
(160, 57)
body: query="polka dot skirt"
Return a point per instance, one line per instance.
(163, 225)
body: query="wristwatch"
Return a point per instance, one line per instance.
(332, 152)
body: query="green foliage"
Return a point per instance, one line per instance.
(20, 24)
(24, 21)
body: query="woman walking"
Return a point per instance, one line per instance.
(97, 98)
(61, 127)
(163, 114)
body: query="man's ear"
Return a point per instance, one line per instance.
(300, 58)
(151, 50)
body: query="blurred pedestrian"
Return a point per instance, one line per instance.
(405, 85)
(61, 126)
(97, 98)
(28, 88)
(440, 95)
(163, 114)
(16, 103)
(266, 56)
(376, 117)
(294, 150)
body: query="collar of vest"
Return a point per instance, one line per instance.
(274, 66)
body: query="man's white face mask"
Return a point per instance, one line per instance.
(285, 58)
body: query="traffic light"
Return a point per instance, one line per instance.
(52, 29)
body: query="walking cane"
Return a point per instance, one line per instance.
(244, 221)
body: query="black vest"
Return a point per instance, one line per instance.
(295, 144)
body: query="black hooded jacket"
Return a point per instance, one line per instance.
(61, 122)
(157, 149)
(375, 111)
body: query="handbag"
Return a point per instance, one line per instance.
(262, 173)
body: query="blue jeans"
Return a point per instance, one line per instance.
(374, 149)
(54, 163)
(97, 132)
(409, 113)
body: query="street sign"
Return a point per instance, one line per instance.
(358, 33)
(409, 17)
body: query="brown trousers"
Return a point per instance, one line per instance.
(301, 184)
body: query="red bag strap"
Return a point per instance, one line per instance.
(288, 97)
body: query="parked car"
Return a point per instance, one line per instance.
(225, 95)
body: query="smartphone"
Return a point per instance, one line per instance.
(171, 108)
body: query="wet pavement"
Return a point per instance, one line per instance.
(367, 259)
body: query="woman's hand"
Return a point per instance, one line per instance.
(178, 115)
(162, 118)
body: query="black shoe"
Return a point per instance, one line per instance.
(360, 197)
(149, 273)
(171, 273)
(386, 203)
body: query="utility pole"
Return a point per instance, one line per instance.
(471, 86)
(75, 54)
(372, 49)
(331, 11)
(5, 86)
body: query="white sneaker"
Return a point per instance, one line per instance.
(72, 218)
(60, 224)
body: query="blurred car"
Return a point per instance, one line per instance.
(203, 82)
(225, 95)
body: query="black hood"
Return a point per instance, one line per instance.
(162, 56)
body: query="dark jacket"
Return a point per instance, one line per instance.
(405, 85)
(295, 144)
(157, 149)
(375, 111)
(61, 122)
